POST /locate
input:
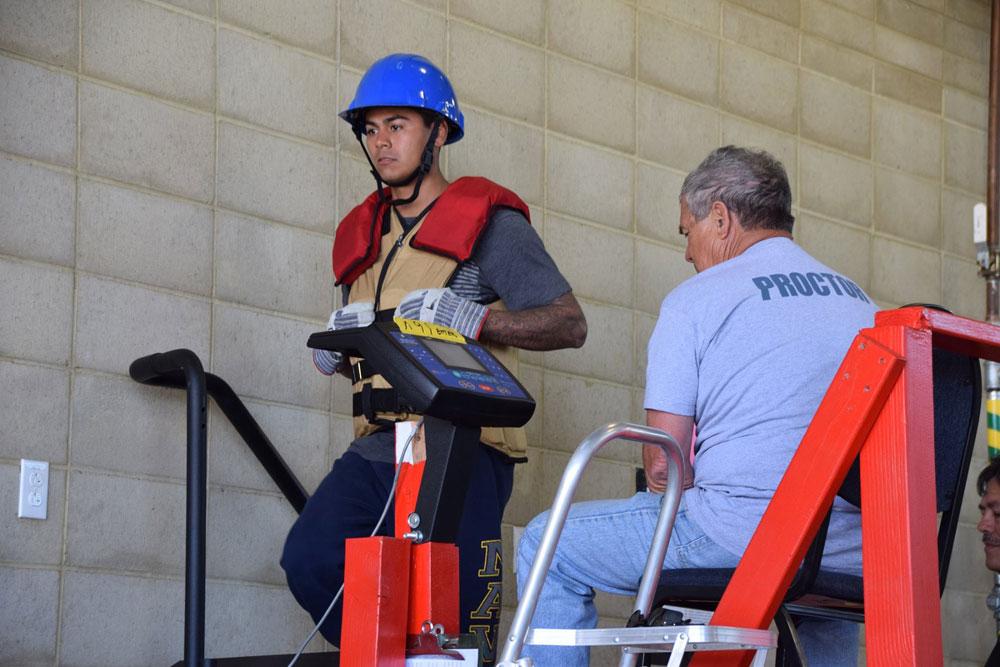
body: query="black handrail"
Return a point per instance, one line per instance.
(257, 441)
(244, 423)
(186, 369)
(181, 369)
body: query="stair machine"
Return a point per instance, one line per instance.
(400, 593)
(403, 592)
(399, 590)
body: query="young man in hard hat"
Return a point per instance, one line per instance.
(462, 255)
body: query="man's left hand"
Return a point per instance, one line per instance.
(442, 306)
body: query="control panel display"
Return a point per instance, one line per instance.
(467, 367)
(453, 355)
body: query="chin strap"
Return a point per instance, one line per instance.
(426, 160)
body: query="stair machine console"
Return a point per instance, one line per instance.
(436, 371)
(399, 590)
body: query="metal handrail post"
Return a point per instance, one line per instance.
(142, 370)
(557, 518)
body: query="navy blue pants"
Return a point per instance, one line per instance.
(348, 503)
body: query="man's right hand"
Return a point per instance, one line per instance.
(351, 316)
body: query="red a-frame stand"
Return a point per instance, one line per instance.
(881, 404)
(393, 586)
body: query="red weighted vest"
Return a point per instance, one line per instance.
(451, 228)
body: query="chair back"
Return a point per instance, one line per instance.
(957, 402)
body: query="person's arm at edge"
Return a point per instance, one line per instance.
(654, 461)
(554, 326)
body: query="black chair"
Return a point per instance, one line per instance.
(817, 593)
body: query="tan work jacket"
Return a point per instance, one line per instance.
(410, 269)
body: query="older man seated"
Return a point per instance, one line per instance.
(745, 349)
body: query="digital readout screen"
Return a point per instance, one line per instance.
(454, 355)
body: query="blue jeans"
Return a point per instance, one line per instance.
(604, 545)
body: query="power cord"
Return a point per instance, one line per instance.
(381, 519)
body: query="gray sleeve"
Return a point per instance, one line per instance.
(515, 264)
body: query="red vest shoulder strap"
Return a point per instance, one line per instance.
(455, 224)
(358, 240)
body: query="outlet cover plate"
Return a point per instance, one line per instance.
(33, 497)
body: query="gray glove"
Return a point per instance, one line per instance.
(351, 316)
(442, 306)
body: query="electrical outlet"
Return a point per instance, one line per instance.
(33, 498)
(979, 223)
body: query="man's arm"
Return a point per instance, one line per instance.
(551, 327)
(654, 461)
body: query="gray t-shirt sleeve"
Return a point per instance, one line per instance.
(514, 263)
(672, 364)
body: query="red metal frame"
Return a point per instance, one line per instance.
(376, 589)
(392, 586)
(407, 489)
(433, 587)
(880, 403)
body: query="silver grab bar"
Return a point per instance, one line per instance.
(557, 518)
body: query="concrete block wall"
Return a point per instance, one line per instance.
(171, 175)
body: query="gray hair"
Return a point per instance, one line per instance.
(752, 184)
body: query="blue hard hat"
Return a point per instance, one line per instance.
(406, 80)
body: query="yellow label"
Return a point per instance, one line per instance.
(428, 330)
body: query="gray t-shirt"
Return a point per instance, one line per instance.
(749, 347)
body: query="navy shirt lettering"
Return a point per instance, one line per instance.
(808, 284)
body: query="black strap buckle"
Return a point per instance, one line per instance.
(369, 402)
(361, 370)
